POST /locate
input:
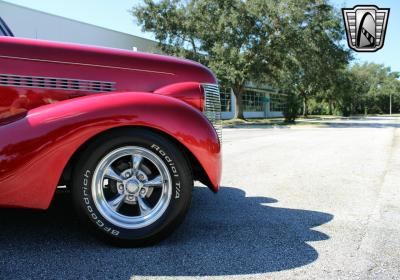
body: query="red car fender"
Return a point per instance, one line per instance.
(35, 150)
(189, 92)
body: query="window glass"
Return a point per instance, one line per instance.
(253, 101)
(225, 100)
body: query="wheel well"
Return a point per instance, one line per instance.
(197, 170)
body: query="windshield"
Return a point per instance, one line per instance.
(4, 30)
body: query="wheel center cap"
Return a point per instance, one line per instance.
(132, 186)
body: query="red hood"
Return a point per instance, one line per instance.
(126, 68)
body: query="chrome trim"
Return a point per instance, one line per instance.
(212, 107)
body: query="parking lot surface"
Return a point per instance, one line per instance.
(307, 202)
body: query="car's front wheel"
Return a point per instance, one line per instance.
(133, 186)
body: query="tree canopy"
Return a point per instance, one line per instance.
(296, 46)
(369, 90)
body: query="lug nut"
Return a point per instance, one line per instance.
(143, 191)
(127, 175)
(131, 197)
(141, 177)
(121, 187)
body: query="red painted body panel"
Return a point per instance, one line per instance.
(189, 92)
(40, 129)
(34, 150)
(131, 71)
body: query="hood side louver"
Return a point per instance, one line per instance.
(55, 83)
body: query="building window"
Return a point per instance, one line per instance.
(253, 101)
(278, 102)
(225, 100)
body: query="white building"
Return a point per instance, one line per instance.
(29, 23)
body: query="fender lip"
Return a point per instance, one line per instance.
(49, 135)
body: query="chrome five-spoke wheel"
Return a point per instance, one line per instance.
(131, 187)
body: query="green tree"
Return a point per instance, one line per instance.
(316, 54)
(292, 44)
(342, 95)
(371, 87)
(292, 107)
(232, 37)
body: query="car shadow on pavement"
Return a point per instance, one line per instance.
(224, 234)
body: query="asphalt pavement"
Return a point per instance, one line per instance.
(306, 202)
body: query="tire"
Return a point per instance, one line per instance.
(133, 186)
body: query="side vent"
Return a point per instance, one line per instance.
(55, 83)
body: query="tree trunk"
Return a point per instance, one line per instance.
(238, 91)
(305, 105)
(330, 107)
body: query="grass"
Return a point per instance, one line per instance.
(263, 122)
(277, 122)
(327, 117)
(253, 121)
(384, 115)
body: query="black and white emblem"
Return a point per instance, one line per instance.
(366, 27)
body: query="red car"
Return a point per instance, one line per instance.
(126, 132)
